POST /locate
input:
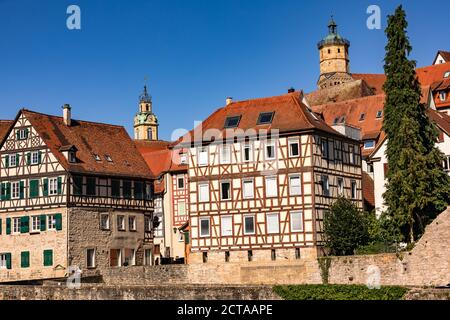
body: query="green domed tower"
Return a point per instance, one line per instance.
(145, 121)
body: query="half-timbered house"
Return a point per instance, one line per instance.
(261, 174)
(73, 194)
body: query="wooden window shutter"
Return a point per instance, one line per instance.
(45, 191)
(8, 261)
(441, 136)
(25, 224)
(39, 157)
(2, 192)
(8, 191)
(58, 218)
(59, 185)
(34, 188)
(386, 169)
(113, 258)
(28, 158)
(25, 259)
(186, 237)
(22, 189)
(0, 226)
(17, 159)
(6, 160)
(8, 225)
(27, 132)
(43, 222)
(48, 258)
(18, 134)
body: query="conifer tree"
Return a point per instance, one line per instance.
(417, 186)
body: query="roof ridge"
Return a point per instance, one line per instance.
(286, 95)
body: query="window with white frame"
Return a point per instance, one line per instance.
(34, 158)
(205, 229)
(248, 189)
(3, 259)
(340, 186)
(225, 154)
(132, 223)
(181, 208)
(16, 225)
(202, 154)
(296, 221)
(35, 223)
(442, 95)
(273, 223)
(13, 160)
(446, 163)
(351, 154)
(295, 188)
(271, 187)
(354, 185)
(270, 153)
(294, 148)
(121, 223)
(53, 186)
(247, 153)
(104, 221)
(90, 258)
(225, 190)
(203, 192)
(51, 222)
(249, 225)
(23, 134)
(183, 158)
(324, 147)
(180, 182)
(325, 185)
(226, 226)
(15, 190)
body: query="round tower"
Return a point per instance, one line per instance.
(145, 121)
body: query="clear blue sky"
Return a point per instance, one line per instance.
(195, 52)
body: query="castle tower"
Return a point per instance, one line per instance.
(145, 122)
(334, 59)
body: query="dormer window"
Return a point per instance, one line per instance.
(369, 144)
(342, 119)
(70, 152)
(108, 158)
(72, 157)
(362, 117)
(232, 122)
(265, 118)
(379, 114)
(336, 120)
(97, 157)
(442, 95)
(183, 158)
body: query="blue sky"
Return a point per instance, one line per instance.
(194, 52)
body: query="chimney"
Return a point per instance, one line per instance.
(291, 90)
(229, 100)
(67, 116)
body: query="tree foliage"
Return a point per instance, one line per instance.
(417, 186)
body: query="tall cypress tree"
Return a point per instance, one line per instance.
(417, 186)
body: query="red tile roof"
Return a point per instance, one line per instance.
(373, 81)
(90, 139)
(368, 189)
(290, 115)
(5, 125)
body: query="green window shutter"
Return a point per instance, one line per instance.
(8, 261)
(34, 188)
(25, 224)
(18, 134)
(58, 218)
(48, 258)
(39, 157)
(8, 191)
(45, 191)
(6, 161)
(59, 185)
(3, 192)
(186, 237)
(25, 259)
(43, 222)
(8, 225)
(1, 226)
(27, 132)
(28, 158)
(17, 159)
(22, 189)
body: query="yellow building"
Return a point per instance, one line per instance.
(145, 122)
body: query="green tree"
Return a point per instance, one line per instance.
(417, 186)
(345, 228)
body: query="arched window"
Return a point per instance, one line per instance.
(149, 134)
(137, 134)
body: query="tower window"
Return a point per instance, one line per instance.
(329, 51)
(149, 134)
(379, 114)
(339, 50)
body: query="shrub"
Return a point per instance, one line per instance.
(339, 292)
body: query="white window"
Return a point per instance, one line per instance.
(3, 259)
(203, 192)
(183, 158)
(34, 157)
(351, 154)
(442, 95)
(205, 227)
(295, 186)
(51, 222)
(324, 148)
(121, 223)
(104, 221)
(353, 189)
(202, 156)
(23, 134)
(446, 163)
(13, 160)
(270, 151)
(294, 148)
(90, 258)
(249, 224)
(225, 154)
(296, 221)
(225, 190)
(35, 224)
(325, 186)
(132, 223)
(15, 190)
(180, 182)
(273, 223)
(181, 208)
(16, 225)
(53, 186)
(249, 189)
(226, 226)
(247, 153)
(271, 187)
(340, 186)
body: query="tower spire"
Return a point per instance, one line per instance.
(145, 121)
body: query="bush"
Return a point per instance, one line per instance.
(339, 292)
(345, 228)
(376, 247)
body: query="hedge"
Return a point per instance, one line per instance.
(339, 292)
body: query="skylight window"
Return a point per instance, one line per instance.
(362, 117)
(97, 157)
(265, 118)
(342, 119)
(108, 158)
(379, 114)
(447, 74)
(336, 120)
(232, 122)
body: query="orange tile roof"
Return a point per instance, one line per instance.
(290, 115)
(368, 189)
(5, 125)
(90, 139)
(374, 81)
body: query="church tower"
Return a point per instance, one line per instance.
(334, 58)
(145, 122)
